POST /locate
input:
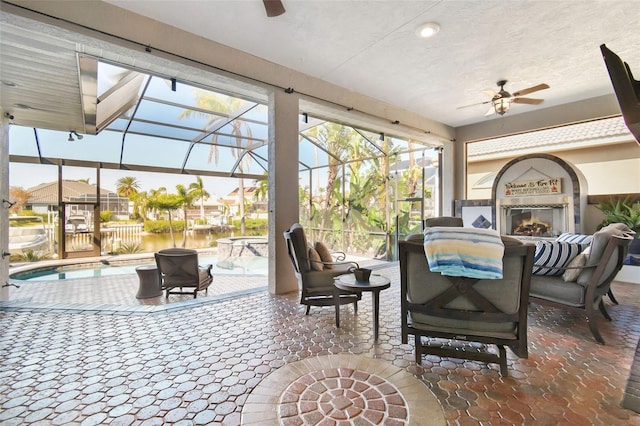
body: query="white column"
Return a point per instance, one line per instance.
(283, 187)
(4, 211)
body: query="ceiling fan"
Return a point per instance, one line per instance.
(273, 7)
(501, 101)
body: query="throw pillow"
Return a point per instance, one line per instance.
(575, 238)
(571, 275)
(555, 254)
(314, 259)
(325, 254)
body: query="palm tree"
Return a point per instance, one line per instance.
(197, 191)
(186, 198)
(240, 131)
(262, 190)
(128, 186)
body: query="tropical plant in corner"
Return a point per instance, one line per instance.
(621, 210)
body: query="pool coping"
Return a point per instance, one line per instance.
(26, 305)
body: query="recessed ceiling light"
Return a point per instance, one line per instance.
(9, 83)
(427, 30)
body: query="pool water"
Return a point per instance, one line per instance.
(255, 265)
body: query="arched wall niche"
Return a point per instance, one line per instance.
(569, 202)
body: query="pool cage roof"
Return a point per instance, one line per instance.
(144, 122)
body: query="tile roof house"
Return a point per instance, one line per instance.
(44, 197)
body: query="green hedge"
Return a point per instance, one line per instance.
(161, 226)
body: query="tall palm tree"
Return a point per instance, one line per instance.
(197, 191)
(128, 186)
(240, 131)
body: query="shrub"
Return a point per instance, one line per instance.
(31, 256)
(162, 226)
(105, 216)
(129, 248)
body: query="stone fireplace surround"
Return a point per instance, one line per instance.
(567, 206)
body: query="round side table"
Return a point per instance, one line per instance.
(375, 285)
(149, 284)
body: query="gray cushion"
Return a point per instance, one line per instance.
(423, 285)
(598, 245)
(299, 241)
(557, 290)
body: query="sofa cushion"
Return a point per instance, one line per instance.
(325, 254)
(555, 254)
(299, 242)
(315, 260)
(557, 290)
(597, 247)
(579, 261)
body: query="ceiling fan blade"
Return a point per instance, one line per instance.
(491, 93)
(531, 89)
(529, 101)
(273, 7)
(479, 103)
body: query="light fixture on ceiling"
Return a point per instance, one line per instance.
(501, 105)
(72, 133)
(427, 30)
(9, 83)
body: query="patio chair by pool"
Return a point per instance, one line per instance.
(179, 268)
(315, 276)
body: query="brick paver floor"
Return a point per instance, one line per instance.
(197, 362)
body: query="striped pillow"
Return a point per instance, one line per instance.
(554, 253)
(575, 238)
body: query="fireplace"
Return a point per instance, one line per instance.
(535, 220)
(539, 196)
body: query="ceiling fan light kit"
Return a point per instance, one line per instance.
(501, 101)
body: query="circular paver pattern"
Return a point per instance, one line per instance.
(341, 390)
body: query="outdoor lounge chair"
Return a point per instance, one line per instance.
(315, 276)
(178, 268)
(583, 292)
(489, 311)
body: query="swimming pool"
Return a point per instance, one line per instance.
(255, 265)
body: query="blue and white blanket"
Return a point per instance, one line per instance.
(464, 252)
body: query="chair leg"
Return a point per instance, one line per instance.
(612, 297)
(308, 308)
(603, 309)
(418, 350)
(594, 330)
(502, 354)
(355, 307)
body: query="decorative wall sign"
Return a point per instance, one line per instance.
(533, 187)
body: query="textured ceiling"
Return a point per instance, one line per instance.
(370, 46)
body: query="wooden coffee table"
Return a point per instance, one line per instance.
(375, 285)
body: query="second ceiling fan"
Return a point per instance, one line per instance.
(501, 101)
